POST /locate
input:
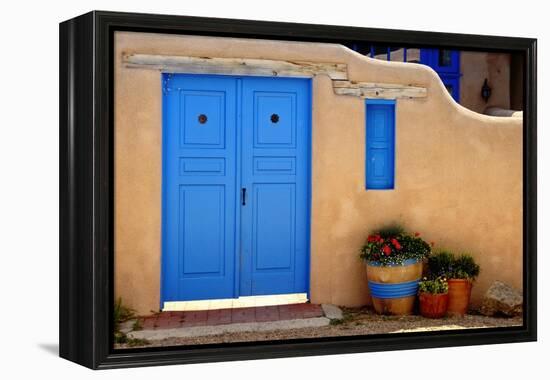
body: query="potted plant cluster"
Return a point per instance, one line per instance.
(433, 296)
(461, 271)
(394, 261)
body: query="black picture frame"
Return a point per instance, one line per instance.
(86, 190)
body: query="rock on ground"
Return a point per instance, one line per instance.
(502, 299)
(127, 326)
(332, 311)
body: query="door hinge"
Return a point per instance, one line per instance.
(166, 83)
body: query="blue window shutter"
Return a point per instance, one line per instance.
(426, 57)
(380, 147)
(450, 73)
(452, 84)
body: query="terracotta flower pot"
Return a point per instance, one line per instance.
(433, 305)
(460, 291)
(393, 288)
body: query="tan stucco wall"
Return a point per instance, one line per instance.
(475, 67)
(458, 173)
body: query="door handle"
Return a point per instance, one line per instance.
(243, 196)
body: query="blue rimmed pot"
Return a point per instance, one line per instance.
(393, 288)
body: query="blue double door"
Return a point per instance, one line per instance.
(235, 186)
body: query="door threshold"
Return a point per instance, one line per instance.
(234, 303)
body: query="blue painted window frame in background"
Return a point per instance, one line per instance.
(450, 75)
(372, 182)
(430, 57)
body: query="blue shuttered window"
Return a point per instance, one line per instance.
(447, 65)
(380, 147)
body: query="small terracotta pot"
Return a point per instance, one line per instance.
(460, 291)
(433, 305)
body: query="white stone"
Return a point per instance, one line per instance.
(332, 311)
(502, 299)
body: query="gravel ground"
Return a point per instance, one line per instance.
(360, 321)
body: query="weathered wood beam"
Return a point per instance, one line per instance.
(234, 66)
(378, 90)
(266, 67)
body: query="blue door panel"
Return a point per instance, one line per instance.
(235, 186)
(274, 165)
(275, 171)
(202, 133)
(281, 107)
(196, 166)
(206, 231)
(199, 187)
(273, 226)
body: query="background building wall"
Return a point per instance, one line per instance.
(475, 67)
(516, 81)
(458, 174)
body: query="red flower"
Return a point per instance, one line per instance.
(380, 240)
(396, 244)
(387, 250)
(417, 234)
(371, 238)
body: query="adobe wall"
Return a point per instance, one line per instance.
(458, 173)
(475, 67)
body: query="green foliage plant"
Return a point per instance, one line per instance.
(122, 313)
(440, 263)
(445, 263)
(465, 267)
(438, 285)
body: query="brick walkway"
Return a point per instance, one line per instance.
(174, 319)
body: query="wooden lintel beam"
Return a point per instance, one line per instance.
(234, 66)
(266, 67)
(378, 90)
